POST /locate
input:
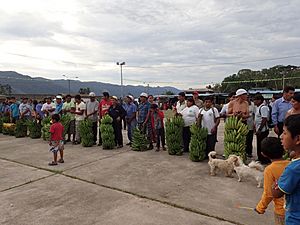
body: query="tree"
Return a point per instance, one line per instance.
(5, 89)
(168, 93)
(84, 91)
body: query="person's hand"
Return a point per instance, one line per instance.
(118, 118)
(275, 185)
(213, 130)
(276, 130)
(257, 211)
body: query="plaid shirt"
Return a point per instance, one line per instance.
(143, 110)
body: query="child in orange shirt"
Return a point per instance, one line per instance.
(272, 149)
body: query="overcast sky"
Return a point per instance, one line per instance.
(182, 43)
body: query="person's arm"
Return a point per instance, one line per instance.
(230, 109)
(133, 114)
(287, 183)
(264, 111)
(275, 111)
(217, 121)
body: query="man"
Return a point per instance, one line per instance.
(91, 113)
(130, 109)
(25, 109)
(181, 103)
(280, 108)
(210, 119)
(68, 108)
(224, 110)
(79, 116)
(261, 125)
(59, 105)
(48, 108)
(198, 102)
(151, 99)
(143, 112)
(250, 124)
(239, 107)
(14, 110)
(103, 107)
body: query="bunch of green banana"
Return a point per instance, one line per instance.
(21, 128)
(46, 123)
(174, 128)
(34, 129)
(107, 132)
(139, 141)
(4, 119)
(86, 133)
(198, 143)
(65, 121)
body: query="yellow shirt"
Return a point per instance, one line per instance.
(272, 174)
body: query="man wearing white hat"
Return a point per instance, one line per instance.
(58, 105)
(239, 106)
(91, 113)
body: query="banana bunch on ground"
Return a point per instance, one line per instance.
(21, 128)
(9, 129)
(198, 143)
(107, 132)
(174, 128)
(46, 123)
(235, 137)
(34, 129)
(65, 121)
(4, 119)
(86, 133)
(139, 141)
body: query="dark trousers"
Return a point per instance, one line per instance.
(280, 128)
(259, 138)
(95, 128)
(249, 141)
(100, 138)
(186, 136)
(160, 137)
(210, 143)
(117, 125)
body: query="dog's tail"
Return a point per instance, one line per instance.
(256, 165)
(212, 155)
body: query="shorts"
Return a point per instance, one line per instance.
(56, 146)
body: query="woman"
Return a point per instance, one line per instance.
(189, 115)
(296, 105)
(117, 112)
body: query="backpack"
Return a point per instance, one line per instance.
(269, 122)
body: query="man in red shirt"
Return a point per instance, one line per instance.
(56, 141)
(104, 105)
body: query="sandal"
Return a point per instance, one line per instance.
(61, 161)
(52, 163)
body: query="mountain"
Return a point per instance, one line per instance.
(24, 84)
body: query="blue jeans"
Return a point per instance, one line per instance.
(130, 128)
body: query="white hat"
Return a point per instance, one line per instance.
(130, 96)
(240, 92)
(144, 95)
(58, 96)
(92, 94)
(114, 97)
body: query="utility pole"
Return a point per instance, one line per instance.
(121, 67)
(69, 82)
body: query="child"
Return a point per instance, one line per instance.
(273, 150)
(56, 142)
(157, 123)
(289, 182)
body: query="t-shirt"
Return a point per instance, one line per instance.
(190, 115)
(58, 108)
(143, 110)
(14, 109)
(79, 107)
(208, 118)
(56, 130)
(24, 107)
(261, 112)
(289, 183)
(130, 109)
(181, 106)
(104, 106)
(38, 109)
(92, 107)
(47, 106)
(68, 106)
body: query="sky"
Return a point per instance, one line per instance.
(180, 43)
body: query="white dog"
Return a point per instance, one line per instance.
(254, 170)
(227, 166)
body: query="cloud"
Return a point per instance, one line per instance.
(155, 38)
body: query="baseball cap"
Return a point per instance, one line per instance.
(92, 94)
(130, 96)
(144, 95)
(58, 96)
(240, 92)
(195, 93)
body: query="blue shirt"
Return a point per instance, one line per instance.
(289, 183)
(143, 110)
(14, 109)
(38, 109)
(279, 110)
(130, 109)
(58, 108)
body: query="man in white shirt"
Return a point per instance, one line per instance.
(79, 116)
(48, 108)
(181, 104)
(91, 113)
(261, 125)
(210, 119)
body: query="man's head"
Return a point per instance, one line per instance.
(296, 101)
(92, 96)
(272, 148)
(13, 99)
(105, 95)
(181, 96)
(241, 94)
(153, 107)
(290, 137)
(150, 98)
(58, 99)
(143, 97)
(68, 98)
(48, 100)
(208, 101)
(288, 93)
(129, 99)
(114, 100)
(195, 95)
(77, 99)
(190, 102)
(258, 99)
(24, 100)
